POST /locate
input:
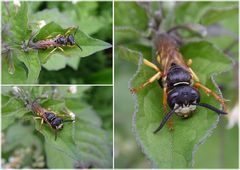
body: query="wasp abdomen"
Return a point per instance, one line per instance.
(56, 122)
(176, 76)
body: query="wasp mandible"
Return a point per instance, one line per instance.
(179, 82)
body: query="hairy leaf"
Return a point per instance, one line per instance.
(82, 142)
(176, 149)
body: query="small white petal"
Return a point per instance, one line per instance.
(17, 3)
(41, 23)
(233, 117)
(72, 89)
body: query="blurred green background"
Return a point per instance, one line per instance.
(221, 149)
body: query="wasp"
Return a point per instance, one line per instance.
(51, 118)
(179, 82)
(56, 42)
(54, 120)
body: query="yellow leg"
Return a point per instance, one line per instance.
(54, 50)
(150, 64)
(195, 77)
(208, 91)
(42, 120)
(152, 79)
(68, 31)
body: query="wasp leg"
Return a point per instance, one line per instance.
(69, 30)
(157, 76)
(55, 132)
(150, 64)
(42, 120)
(208, 91)
(195, 77)
(170, 121)
(55, 50)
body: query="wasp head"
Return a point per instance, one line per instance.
(71, 41)
(184, 99)
(57, 123)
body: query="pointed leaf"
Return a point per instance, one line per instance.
(176, 149)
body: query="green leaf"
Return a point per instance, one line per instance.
(54, 156)
(11, 110)
(176, 149)
(130, 14)
(89, 46)
(215, 15)
(33, 65)
(128, 54)
(49, 15)
(19, 23)
(55, 62)
(49, 30)
(82, 142)
(18, 77)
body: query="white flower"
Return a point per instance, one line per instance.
(72, 115)
(16, 3)
(74, 1)
(233, 117)
(16, 89)
(72, 89)
(41, 23)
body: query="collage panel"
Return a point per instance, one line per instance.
(176, 84)
(56, 42)
(63, 127)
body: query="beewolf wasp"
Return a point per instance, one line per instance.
(54, 120)
(179, 82)
(66, 40)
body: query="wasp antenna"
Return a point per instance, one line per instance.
(165, 120)
(55, 132)
(76, 30)
(79, 46)
(210, 107)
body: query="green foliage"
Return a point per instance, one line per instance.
(82, 144)
(21, 24)
(175, 149)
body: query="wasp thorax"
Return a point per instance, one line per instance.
(183, 98)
